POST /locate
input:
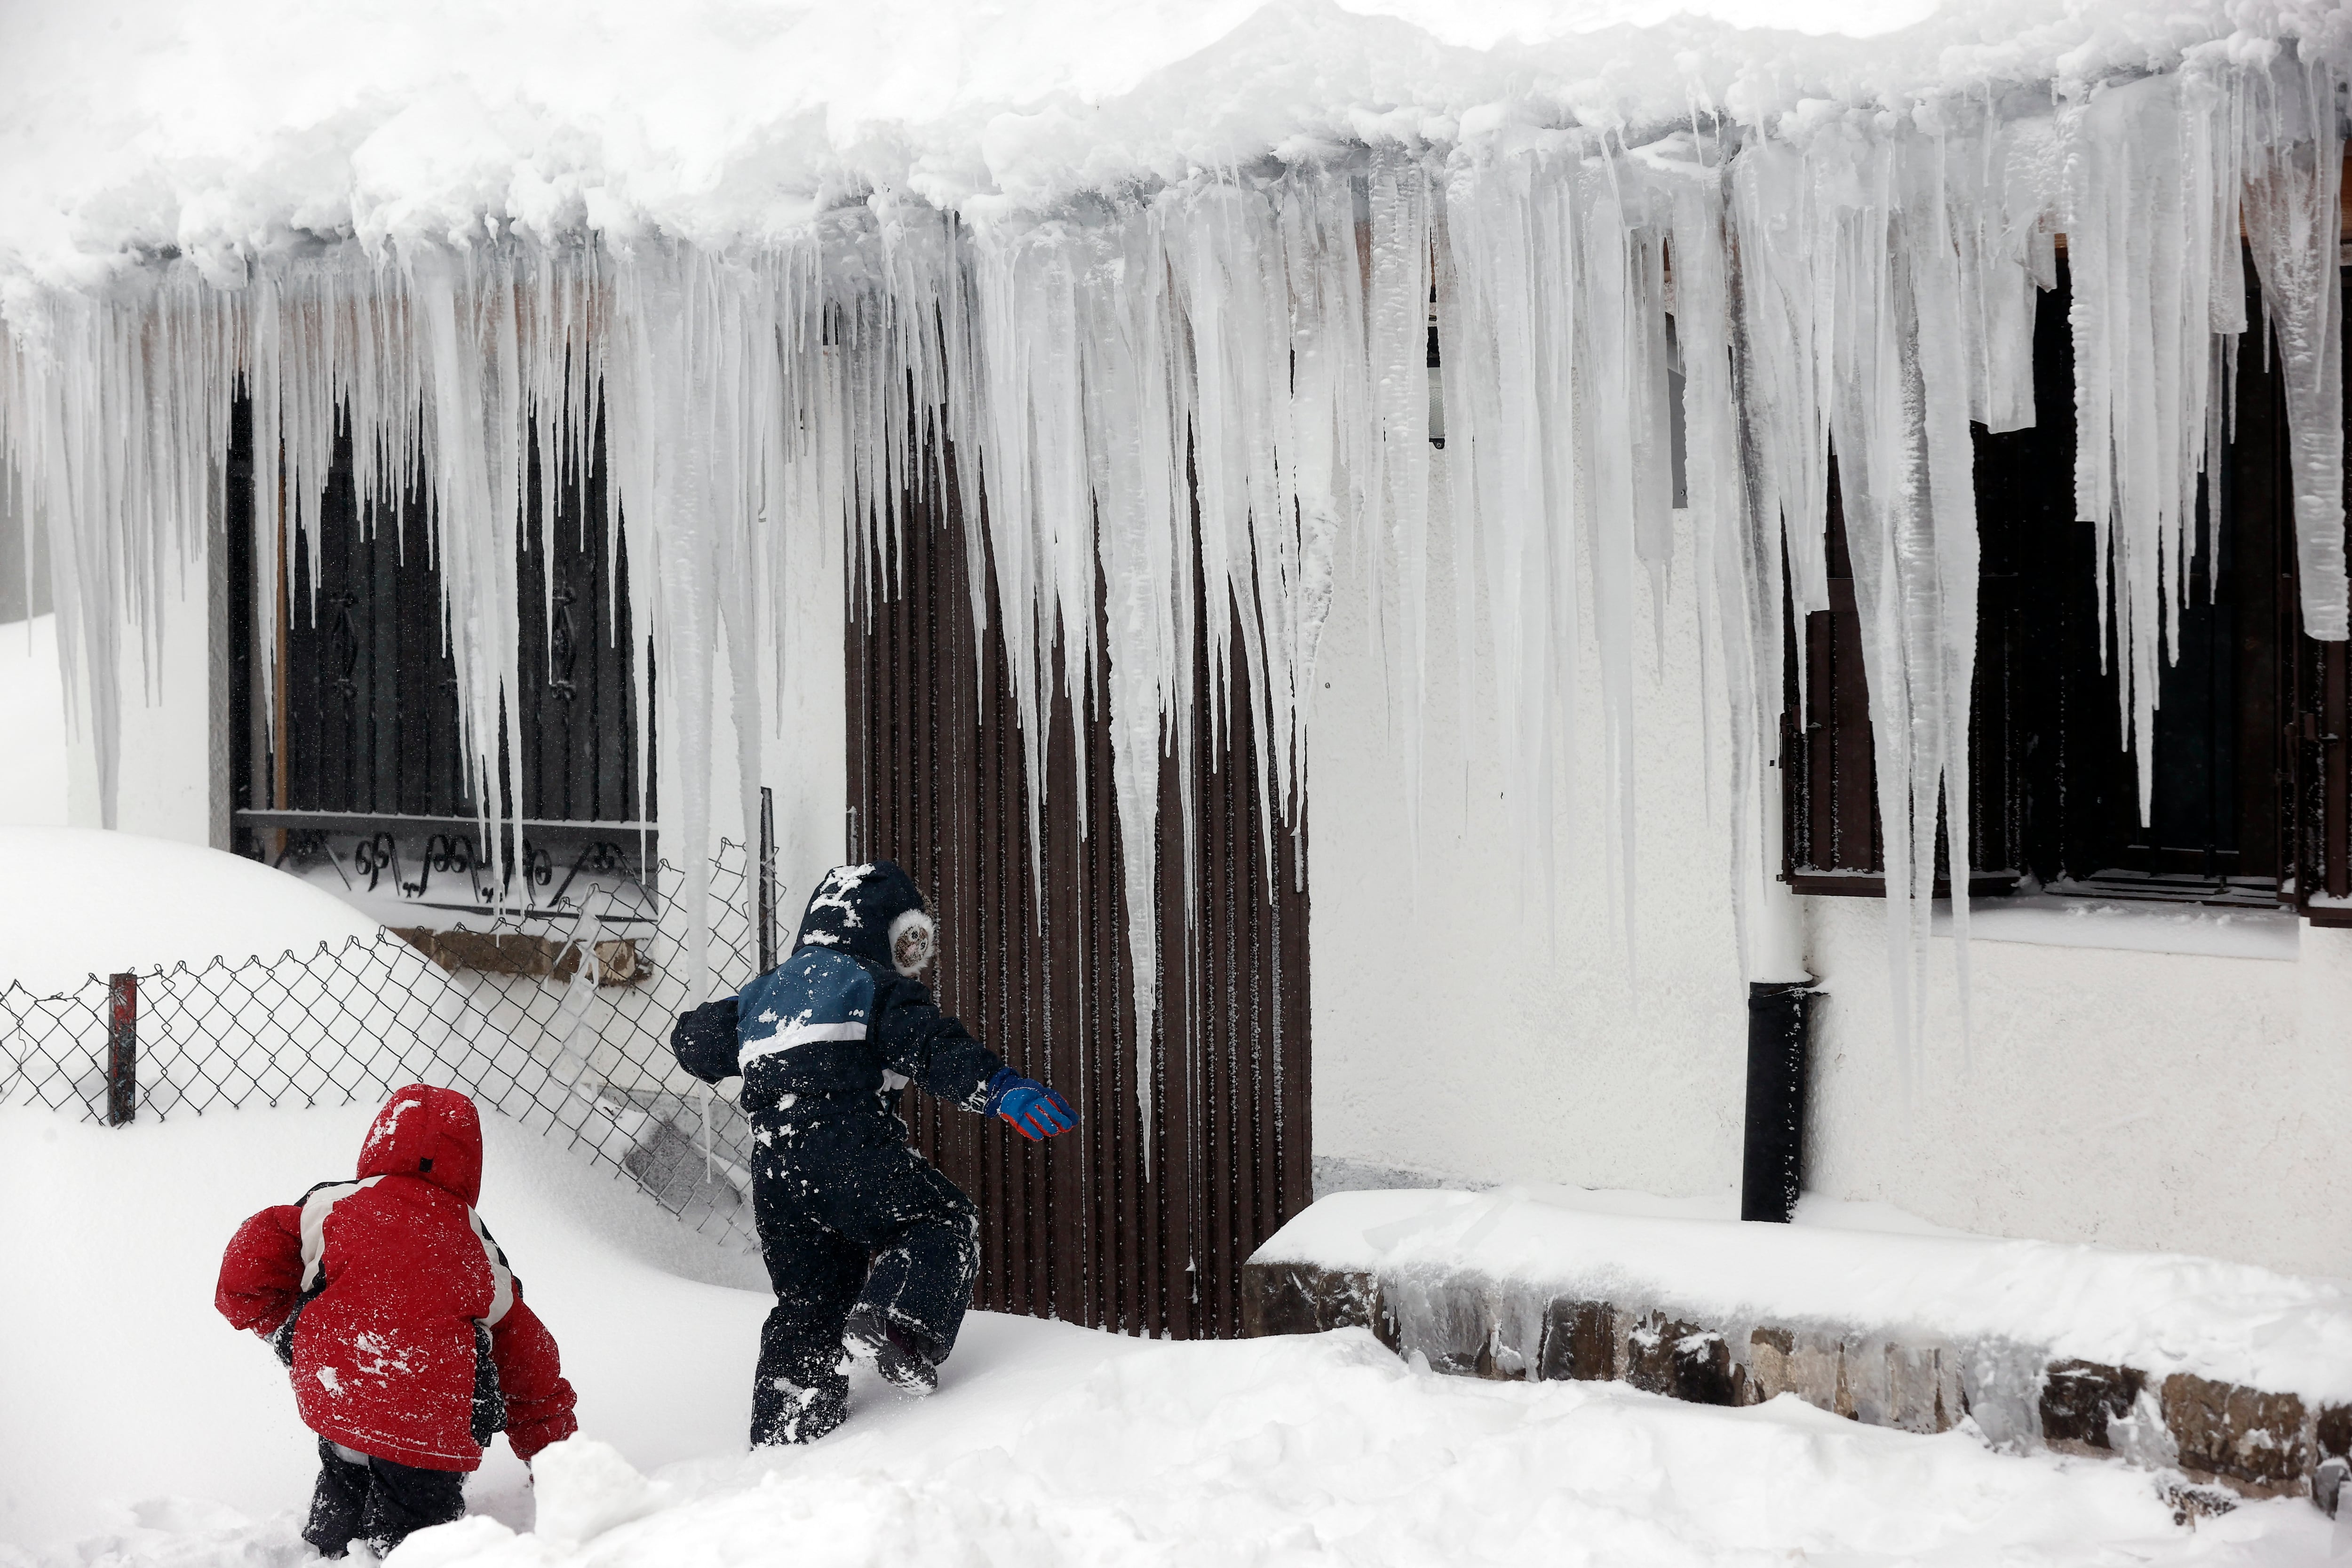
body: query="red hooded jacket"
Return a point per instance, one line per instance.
(385, 1292)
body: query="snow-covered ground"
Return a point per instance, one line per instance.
(140, 1429)
(32, 725)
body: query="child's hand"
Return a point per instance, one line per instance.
(1035, 1110)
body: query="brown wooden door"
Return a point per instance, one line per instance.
(1077, 1228)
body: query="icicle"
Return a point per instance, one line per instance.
(1251, 344)
(1888, 306)
(665, 409)
(2293, 196)
(1944, 314)
(1133, 448)
(1334, 464)
(1555, 383)
(1625, 473)
(1510, 403)
(1789, 336)
(1397, 492)
(2151, 285)
(1736, 515)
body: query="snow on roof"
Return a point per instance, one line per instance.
(131, 125)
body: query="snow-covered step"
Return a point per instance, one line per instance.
(2232, 1376)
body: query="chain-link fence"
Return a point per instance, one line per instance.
(563, 1030)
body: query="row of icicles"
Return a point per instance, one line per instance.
(1255, 345)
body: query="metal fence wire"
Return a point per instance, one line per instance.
(564, 1030)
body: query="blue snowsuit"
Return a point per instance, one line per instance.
(849, 1216)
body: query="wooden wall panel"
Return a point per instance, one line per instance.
(1034, 960)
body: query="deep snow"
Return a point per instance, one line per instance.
(140, 1429)
(121, 900)
(138, 1389)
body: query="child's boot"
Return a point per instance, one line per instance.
(404, 1498)
(901, 1355)
(338, 1501)
(783, 1411)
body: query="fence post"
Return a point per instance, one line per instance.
(767, 923)
(121, 1049)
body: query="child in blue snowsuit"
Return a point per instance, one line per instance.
(871, 1251)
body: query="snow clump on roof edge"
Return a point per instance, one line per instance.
(226, 129)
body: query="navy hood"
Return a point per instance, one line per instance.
(853, 907)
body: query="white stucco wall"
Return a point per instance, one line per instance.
(2174, 1101)
(1459, 1033)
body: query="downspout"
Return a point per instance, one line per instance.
(1780, 1017)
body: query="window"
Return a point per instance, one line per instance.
(358, 775)
(2250, 775)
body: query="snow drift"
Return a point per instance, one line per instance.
(86, 902)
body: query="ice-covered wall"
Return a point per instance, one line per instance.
(1470, 1021)
(2152, 1100)
(1184, 333)
(165, 787)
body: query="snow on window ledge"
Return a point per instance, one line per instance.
(2130, 925)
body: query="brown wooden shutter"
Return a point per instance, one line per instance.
(1833, 845)
(2315, 770)
(1832, 840)
(1076, 1228)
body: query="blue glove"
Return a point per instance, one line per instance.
(1035, 1110)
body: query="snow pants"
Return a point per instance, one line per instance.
(859, 1224)
(377, 1501)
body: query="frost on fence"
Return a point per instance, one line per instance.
(583, 1059)
(1222, 378)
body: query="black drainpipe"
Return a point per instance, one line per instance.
(1771, 1165)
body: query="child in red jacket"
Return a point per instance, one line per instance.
(407, 1334)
